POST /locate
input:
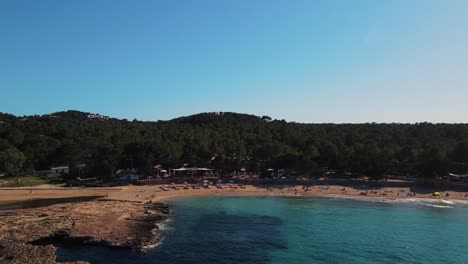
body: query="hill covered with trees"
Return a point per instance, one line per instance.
(229, 141)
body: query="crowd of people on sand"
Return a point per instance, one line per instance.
(296, 190)
(243, 176)
(195, 186)
(356, 190)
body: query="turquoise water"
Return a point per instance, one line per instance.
(304, 230)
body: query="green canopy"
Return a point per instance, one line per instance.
(436, 194)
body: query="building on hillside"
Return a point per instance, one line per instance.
(97, 116)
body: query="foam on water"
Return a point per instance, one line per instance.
(436, 205)
(447, 201)
(154, 245)
(424, 202)
(163, 227)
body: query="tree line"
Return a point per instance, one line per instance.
(228, 142)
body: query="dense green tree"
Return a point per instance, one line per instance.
(11, 161)
(460, 152)
(107, 144)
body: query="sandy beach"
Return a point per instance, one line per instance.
(146, 193)
(33, 219)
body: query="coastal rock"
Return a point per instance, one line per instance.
(30, 235)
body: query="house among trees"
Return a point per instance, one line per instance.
(458, 178)
(97, 116)
(192, 171)
(60, 170)
(128, 175)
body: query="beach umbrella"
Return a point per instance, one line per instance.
(436, 194)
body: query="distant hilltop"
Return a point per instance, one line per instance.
(195, 118)
(74, 114)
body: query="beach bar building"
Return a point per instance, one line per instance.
(458, 179)
(61, 169)
(192, 172)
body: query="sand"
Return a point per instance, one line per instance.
(155, 193)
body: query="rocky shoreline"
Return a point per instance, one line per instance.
(31, 235)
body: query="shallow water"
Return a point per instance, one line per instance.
(306, 230)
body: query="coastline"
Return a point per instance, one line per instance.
(155, 193)
(31, 235)
(82, 215)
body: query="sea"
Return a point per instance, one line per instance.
(228, 230)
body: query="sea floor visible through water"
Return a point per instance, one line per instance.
(258, 230)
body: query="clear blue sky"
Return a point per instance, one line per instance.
(299, 60)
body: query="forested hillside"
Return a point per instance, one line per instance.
(228, 141)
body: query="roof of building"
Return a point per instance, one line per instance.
(192, 169)
(458, 175)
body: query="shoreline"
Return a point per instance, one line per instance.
(145, 193)
(31, 235)
(441, 200)
(82, 215)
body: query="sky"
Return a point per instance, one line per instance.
(313, 61)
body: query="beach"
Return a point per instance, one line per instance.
(34, 219)
(145, 193)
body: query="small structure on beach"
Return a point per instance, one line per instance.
(458, 177)
(159, 172)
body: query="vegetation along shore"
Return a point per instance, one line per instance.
(74, 178)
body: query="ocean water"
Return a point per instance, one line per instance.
(227, 230)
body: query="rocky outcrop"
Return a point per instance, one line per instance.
(31, 235)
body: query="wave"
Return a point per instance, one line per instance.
(447, 201)
(154, 245)
(160, 229)
(163, 226)
(436, 205)
(430, 202)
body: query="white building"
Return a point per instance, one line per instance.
(58, 170)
